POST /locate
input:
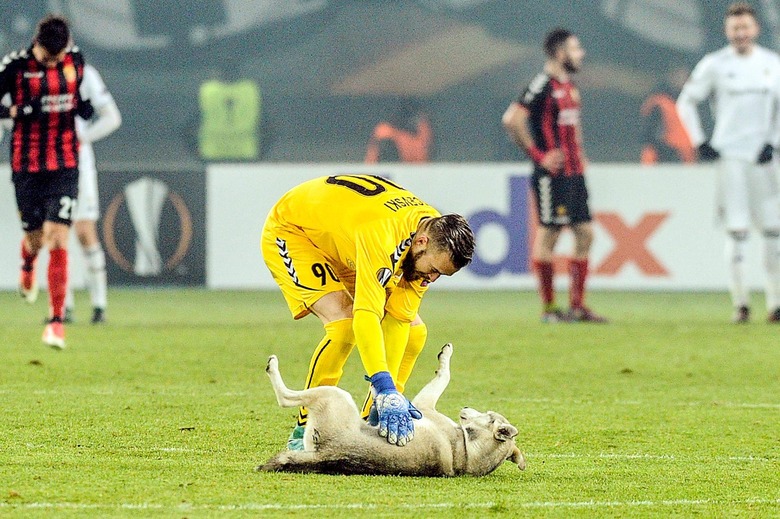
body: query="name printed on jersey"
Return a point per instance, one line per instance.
(404, 201)
(57, 103)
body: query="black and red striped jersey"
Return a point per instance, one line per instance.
(554, 119)
(48, 142)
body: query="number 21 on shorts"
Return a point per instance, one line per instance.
(67, 207)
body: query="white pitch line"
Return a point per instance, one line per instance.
(111, 392)
(608, 455)
(709, 403)
(530, 455)
(369, 506)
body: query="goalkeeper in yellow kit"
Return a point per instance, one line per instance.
(359, 251)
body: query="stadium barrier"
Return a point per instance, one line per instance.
(656, 227)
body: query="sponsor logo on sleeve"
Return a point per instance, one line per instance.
(384, 275)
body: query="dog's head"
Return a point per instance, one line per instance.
(489, 441)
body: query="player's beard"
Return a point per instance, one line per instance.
(569, 66)
(409, 266)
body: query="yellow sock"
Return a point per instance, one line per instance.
(327, 362)
(417, 337)
(403, 367)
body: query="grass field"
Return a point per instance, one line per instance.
(166, 410)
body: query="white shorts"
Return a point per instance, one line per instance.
(88, 205)
(748, 195)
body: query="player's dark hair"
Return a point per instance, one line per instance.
(53, 33)
(555, 39)
(740, 8)
(452, 232)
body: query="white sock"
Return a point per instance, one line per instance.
(771, 250)
(96, 275)
(70, 302)
(736, 243)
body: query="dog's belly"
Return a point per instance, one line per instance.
(428, 454)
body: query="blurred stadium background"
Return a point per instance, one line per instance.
(328, 70)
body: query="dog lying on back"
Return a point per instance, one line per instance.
(338, 441)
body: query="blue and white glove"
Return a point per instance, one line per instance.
(394, 410)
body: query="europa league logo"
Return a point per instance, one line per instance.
(145, 199)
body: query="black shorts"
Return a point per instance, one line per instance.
(560, 200)
(46, 196)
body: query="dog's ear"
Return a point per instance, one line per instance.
(517, 458)
(505, 432)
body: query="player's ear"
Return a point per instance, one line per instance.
(421, 238)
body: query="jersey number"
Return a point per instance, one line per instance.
(323, 271)
(67, 207)
(375, 183)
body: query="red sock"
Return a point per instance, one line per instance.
(544, 271)
(578, 270)
(58, 281)
(28, 258)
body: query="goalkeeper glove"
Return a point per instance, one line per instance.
(707, 153)
(766, 154)
(394, 410)
(373, 414)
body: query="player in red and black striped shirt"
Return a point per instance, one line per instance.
(43, 82)
(545, 122)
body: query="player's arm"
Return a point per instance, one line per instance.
(373, 270)
(516, 123)
(773, 139)
(5, 88)
(31, 110)
(697, 88)
(367, 326)
(108, 119)
(6, 123)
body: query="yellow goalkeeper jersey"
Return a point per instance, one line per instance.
(364, 224)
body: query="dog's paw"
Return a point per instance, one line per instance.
(273, 364)
(446, 351)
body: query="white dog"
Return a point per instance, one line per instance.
(338, 441)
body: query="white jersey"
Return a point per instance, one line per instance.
(106, 120)
(744, 91)
(94, 89)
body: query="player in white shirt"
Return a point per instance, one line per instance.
(107, 119)
(742, 81)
